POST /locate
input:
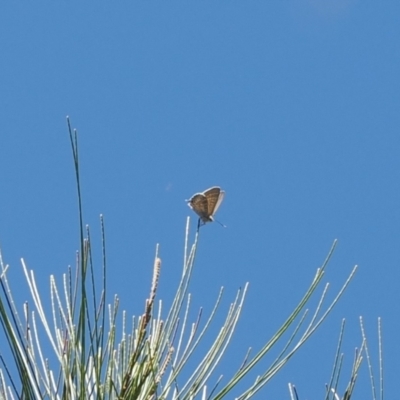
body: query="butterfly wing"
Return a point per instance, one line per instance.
(219, 201)
(199, 204)
(214, 198)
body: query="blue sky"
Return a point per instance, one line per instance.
(291, 107)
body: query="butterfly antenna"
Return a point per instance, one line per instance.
(220, 223)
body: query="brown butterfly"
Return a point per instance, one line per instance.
(206, 204)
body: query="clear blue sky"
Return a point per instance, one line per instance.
(292, 107)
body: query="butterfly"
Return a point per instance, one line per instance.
(206, 204)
